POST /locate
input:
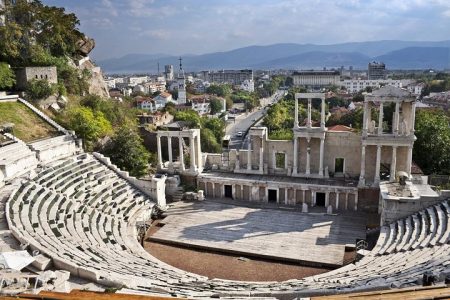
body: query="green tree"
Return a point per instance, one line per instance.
(209, 142)
(7, 77)
(38, 89)
(190, 116)
(87, 124)
(216, 105)
(432, 148)
(217, 127)
(127, 151)
(222, 90)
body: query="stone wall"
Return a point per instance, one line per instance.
(25, 75)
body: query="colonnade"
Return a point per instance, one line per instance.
(343, 199)
(194, 149)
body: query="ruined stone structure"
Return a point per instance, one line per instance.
(321, 166)
(25, 75)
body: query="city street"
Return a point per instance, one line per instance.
(245, 121)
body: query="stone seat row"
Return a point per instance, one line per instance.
(82, 215)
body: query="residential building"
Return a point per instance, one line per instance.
(162, 99)
(145, 103)
(354, 86)
(157, 119)
(376, 71)
(168, 72)
(234, 77)
(135, 80)
(248, 85)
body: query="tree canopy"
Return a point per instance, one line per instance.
(432, 148)
(7, 77)
(126, 150)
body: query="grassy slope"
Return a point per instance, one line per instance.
(27, 125)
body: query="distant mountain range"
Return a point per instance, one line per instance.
(395, 54)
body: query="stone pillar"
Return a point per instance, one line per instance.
(308, 158)
(180, 144)
(285, 196)
(337, 200)
(169, 149)
(413, 116)
(393, 164)
(362, 174)
(303, 196)
(308, 121)
(356, 201)
(366, 112)
(322, 115)
(396, 120)
(266, 197)
(377, 166)
(327, 199)
(409, 160)
(261, 160)
(295, 164)
(313, 198)
(158, 143)
(296, 114)
(294, 195)
(198, 150)
(192, 153)
(213, 188)
(346, 201)
(380, 119)
(249, 154)
(322, 142)
(233, 191)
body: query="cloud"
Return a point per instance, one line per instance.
(160, 34)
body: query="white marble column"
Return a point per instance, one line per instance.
(393, 164)
(322, 114)
(322, 142)
(296, 114)
(313, 198)
(380, 119)
(249, 155)
(303, 196)
(365, 117)
(192, 153)
(295, 154)
(377, 165)
(261, 160)
(158, 144)
(327, 199)
(396, 118)
(213, 192)
(169, 149)
(362, 173)
(337, 199)
(356, 201)
(285, 196)
(199, 152)
(308, 158)
(413, 116)
(409, 160)
(180, 143)
(308, 122)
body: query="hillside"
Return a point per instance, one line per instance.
(291, 56)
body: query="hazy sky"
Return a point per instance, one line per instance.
(201, 26)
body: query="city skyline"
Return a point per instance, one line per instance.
(196, 27)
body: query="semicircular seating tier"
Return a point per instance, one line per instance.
(80, 213)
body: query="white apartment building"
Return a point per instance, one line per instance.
(354, 86)
(248, 85)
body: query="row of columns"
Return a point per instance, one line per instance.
(254, 194)
(309, 111)
(194, 143)
(395, 118)
(393, 169)
(308, 157)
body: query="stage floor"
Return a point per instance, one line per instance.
(288, 235)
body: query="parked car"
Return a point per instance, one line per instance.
(240, 133)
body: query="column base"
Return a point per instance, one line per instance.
(362, 182)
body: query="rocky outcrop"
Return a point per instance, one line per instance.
(85, 45)
(97, 85)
